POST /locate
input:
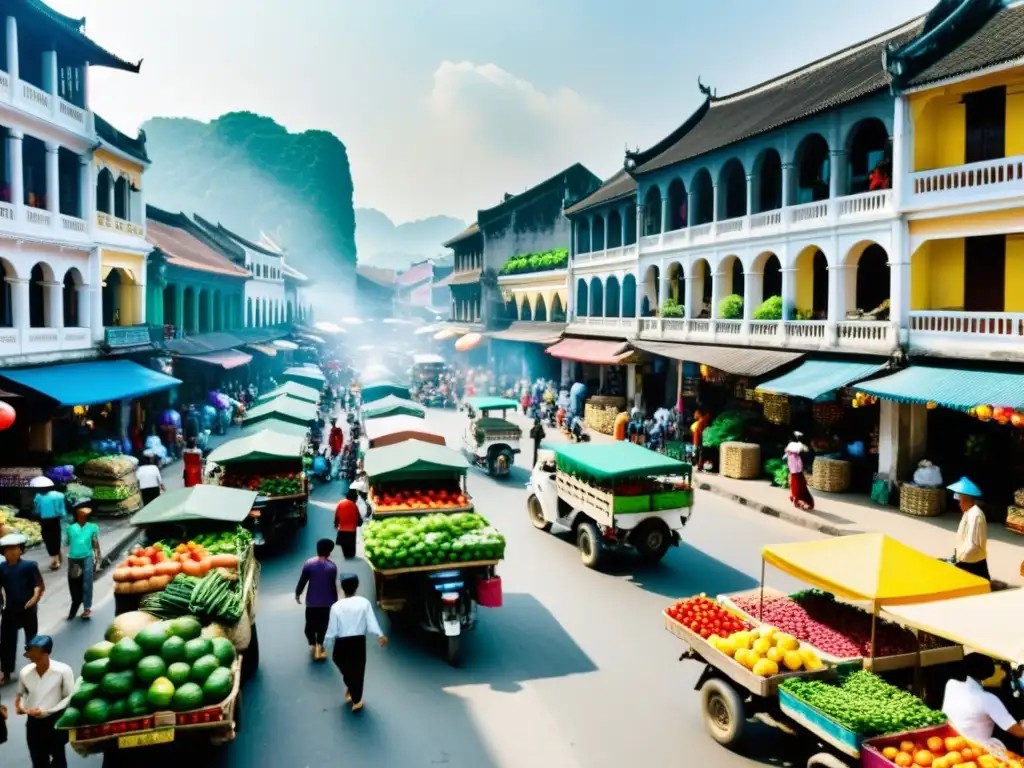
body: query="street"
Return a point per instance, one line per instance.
(574, 670)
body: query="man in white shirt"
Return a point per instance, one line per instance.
(44, 690)
(974, 712)
(151, 482)
(971, 552)
(351, 618)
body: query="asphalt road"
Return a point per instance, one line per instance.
(575, 669)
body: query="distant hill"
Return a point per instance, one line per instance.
(382, 243)
(250, 174)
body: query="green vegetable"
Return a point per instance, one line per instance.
(150, 668)
(197, 648)
(173, 650)
(203, 667)
(189, 696)
(96, 711)
(70, 718)
(138, 704)
(224, 651)
(117, 685)
(186, 627)
(402, 542)
(218, 686)
(100, 650)
(160, 694)
(84, 692)
(125, 654)
(93, 671)
(178, 673)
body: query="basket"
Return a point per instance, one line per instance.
(1015, 519)
(740, 461)
(1018, 497)
(922, 502)
(777, 411)
(830, 475)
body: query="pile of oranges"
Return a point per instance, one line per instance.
(947, 752)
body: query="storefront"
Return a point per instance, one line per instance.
(518, 351)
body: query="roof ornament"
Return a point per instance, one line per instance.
(705, 89)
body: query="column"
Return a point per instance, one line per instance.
(750, 195)
(193, 322)
(836, 168)
(50, 78)
(12, 51)
(691, 208)
(605, 230)
(19, 301)
(717, 283)
(788, 293)
(639, 298)
(622, 298)
(54, 304)
(663, 286)
(590, 238)
(622, 219)
(110, 196)
(631, 398)
(753, 290)
(52, 180)
(84, 292)
(899, 281)
(86, 190)
(575, 237)
(179, 310)
(664, 214)
(714, 201)
(639, 224)
(139, 302)
(902, 152)
(902, 438)
(96, 302)
(141, 196)
(16, 159)
(689, 299)
(787, 187)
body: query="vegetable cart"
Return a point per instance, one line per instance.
(490, 442)
(415, 477)
(617, 495)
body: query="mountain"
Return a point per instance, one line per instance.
(250, 174)
(382, 243)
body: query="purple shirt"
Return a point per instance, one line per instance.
(322, 578)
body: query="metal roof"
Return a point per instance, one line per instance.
(735, 360)
(618, 186)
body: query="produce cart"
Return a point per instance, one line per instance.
(269, 463)
(396, 429)
(491, 442)
(414, 477)
(379, 390)
(170, 667)
(283, 408)
(391, 406)
(612, 495)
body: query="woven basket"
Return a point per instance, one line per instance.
(922, 502)
(1018, 497)
(777, 412)
(1015, 523)
(740, 461)
(830, 475)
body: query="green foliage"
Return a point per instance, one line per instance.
(731, 307)
(671, 308)
(537, 262)
(730, 426)
(770, 309)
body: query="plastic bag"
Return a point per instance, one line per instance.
(928, 475)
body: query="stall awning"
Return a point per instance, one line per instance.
(304, 374)
(591, 351)
(265, 349)
(200, 502)
(232, 358)
(735, 360)
(91, 383)
(265, 445)
(531, 333)
(411, 459)
(290, 388)
(813, 378)
(950, 387)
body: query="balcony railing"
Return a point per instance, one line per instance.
(965, 334)
(974, 182)
(112, 223)
(610, 255)
(33, 341)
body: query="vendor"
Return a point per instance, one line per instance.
(971, 549)
(973, 711)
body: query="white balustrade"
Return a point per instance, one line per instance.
(810, 212)
(766, 219)
(729, 226)
(728, 327)
(865, 333)
(676, 237)
(967, 324)
(72, 224)
(7, 211)
(38, 217)
(70, 111)
(764, 330)
(806, 330)
(990, 177)
(35, 96)
(866, 204)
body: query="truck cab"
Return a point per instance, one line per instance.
(489, 441)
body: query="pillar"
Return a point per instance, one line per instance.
(663, 286)
(54, 304)
(622, 221)
(12, 51)
(138, 304)
(836, 297)
(631, 397)
(836, 168)
(639, 223)
(179, 310)
(50, 78)
(96, 301)
(664, 214)
(210, 308)
(714, 201)
(691, 208)
(750, 194)
(788, 293)
(690, 299)
(902, 439)
(86, 190)
(19, 301)
(16, 159)
(590, 239)
(605, 230)
(84, 294)
(640, 289)
(52, 178)
(110, 195)
(902, 152)
(717, 283)
(753, 293)
(787, 184)
(899, 280)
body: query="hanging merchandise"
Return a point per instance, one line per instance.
(983, 412)
(863, 400)
(7, 416)
(827, 414)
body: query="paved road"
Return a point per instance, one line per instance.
(574, 670)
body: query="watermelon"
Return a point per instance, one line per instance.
(160, 694)
(85, 691)
(199, 646)
(186, 627)
(173, 649)
(93, 671)
(128, 625)
(118, 710)
(224, 651)
(202, 668)
(70, 718)
(218, 685)
(117, 685)
(100, 650)
(152, 638)
(189, 696)
(96, 711)
(150, 668)
(126, 654)
(178, 673)
(137, 704)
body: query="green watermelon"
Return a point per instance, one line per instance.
(218, 686)
(93, 671)
(126, 654)
(138, 704)
(178, 673)
(189, 696)
(186, 627)
(85, 691)
(118, 710)
(202, 668)
(70, 718)
(117, 685)
(224, 651)
(150, 668)
(153, 637)
(100, 650)
(96, 711)
(197, 647)
(173, 649)
(160, 694)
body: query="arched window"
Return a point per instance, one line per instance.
(540, 310)
(596, 298)
(248, 314)
(557, 310)
(104, 185)
(582, 298)
(732, 190)
(170, 305)
(525, 312)
(629, 296)
(122, 191)
(867, 149)
(652, 211)
(813, 170)
(72, 283)
(768, 173)
(6, 295)
(677, 212)
(611, 297)
(704, 194)
(38, 300)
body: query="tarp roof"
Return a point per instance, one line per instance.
(411, 459)
(611, 461)
(285, 408)
(427, 360)
(488, 403)
(393, 406)
(397, 429)
(813, 378)
(92, 383)
(200, 502)
(183, 249)
(954, 388)
(259, 446)
(590, 351)
(305, 373)
(378, 390)
(530, 332)
(227, 360)
(275, 424)
(735, 360)
(294, 390)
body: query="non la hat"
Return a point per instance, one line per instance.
(964, 487)
(40, 482)
(13, 540)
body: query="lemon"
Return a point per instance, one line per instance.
(766, 668)
(775, 654)
(792, 660)
(786, 642)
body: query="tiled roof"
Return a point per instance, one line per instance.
(74, 32)
(185, 250)
(135, 147)
(472, 229)
(420, 295)
(837, 79)
(291, 272)
(415, 274)
(378, 275)
(563, 178)
(618, 186)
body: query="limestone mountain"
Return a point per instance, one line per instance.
(382, 243)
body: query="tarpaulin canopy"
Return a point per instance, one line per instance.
(955, 388)
(92, 383)
(734, 360)
(304, 374)
(275, 424)
(294, 390)
(813, 378)
(612, 461)
(530, 332)
(873, 567)
(264, 445)
(285, 408)
(593, 351)
(984, 623)
(290, 346)
(412, 459)
(264, 349)
(485, 403)
(200, 502)
(227, 359)
(393, 406)
(397, 429)
(378, 390)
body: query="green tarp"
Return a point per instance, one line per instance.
(378, 390)
(305, 374)
(393, 406)
(813, 378)
(274, 424)
(265, 445)
(284, 408)
(294, 390)
(200, 502)
(483, 403)
(614, 461)
(412, 459)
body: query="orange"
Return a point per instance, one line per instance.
(923, 758)
(935, 744)
(954, 758)
(908, 747)
(940, 762)
(904, 760)
(955, 743)
(967, 754)
(890, 753)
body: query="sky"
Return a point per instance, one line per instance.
(445, 105)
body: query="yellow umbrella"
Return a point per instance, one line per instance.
(444, 335)
(468, 341)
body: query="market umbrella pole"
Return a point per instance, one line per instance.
(760, 616)
(874, 623)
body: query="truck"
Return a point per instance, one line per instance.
(491, 442)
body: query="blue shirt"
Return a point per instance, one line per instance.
(49, 505)
(80, 539)
(19, 582)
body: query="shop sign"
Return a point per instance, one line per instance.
(132, 336)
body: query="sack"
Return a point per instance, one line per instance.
(76, 570)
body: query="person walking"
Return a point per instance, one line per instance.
(537, 434)
(50, 508)
(192, 459)
(44, 690)
(350, 619)
(971, 550)
(23, 586)
(799, 493)
(83, 543)
(320, 575)
(151, 482)
(346, 522)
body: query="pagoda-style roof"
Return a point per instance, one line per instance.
(291, 273)
(416, 274)
(179, 239)
(575, 172)
(121, 141)
(224, 232)
(468, 232)
(618, 187)
(71, 31)
(378, 275)
(842, 77)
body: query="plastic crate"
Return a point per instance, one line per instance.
(820, 724)
(871, 750)
(673, 500)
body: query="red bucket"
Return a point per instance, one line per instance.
(488, 592)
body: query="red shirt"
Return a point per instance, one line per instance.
(346, 516)
(336, 440)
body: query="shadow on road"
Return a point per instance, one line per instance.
(685, 571)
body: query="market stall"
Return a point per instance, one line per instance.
(307, 375)
(396, 429)
(294, 390)
(284, 408)
(392, 406)
(276, 424)
(379, 390)
(416, 477)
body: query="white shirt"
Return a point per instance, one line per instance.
(351, 617)
(973, 711)
(972, 536)
(51, 692)
(149, 476)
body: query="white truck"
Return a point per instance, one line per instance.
(490, 442)
(611, 496)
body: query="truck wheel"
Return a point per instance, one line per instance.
(588, 539)
(651, 540)
(826, 760)
(537, 514)
(453, 650)
(251, 656)
(723, 712)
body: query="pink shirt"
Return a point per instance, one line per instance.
(795, 462)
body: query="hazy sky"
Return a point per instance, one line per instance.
(444, 105)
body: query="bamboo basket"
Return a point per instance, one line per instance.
(1018, 497)
(830, 475)
(922, 502)
(600, 418)
(740, 461)
(777, 412)
(1015, 522)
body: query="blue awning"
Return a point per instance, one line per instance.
(91, 383)
(814, 378)
(954, 388)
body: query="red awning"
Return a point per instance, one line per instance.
(590, 351)
(227, 360)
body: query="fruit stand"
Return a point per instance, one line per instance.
(414, 477)
(283, 408)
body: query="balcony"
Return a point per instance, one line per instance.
(996, 335)
(41, 223)
(985, 182)
(624, 327)
(35, 341)
(607, 257)
(37, 102)
(113, 224)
